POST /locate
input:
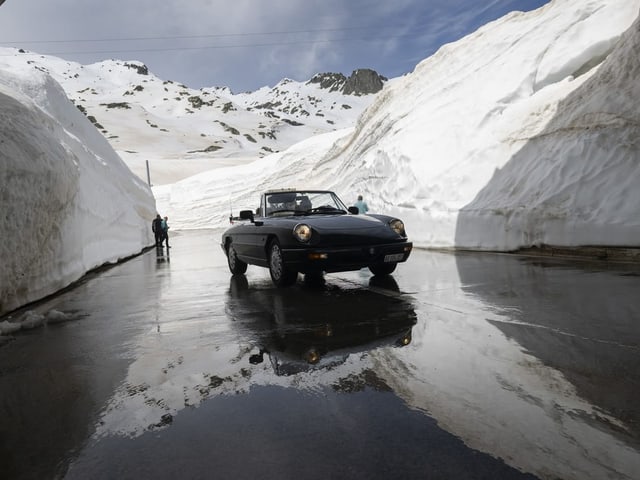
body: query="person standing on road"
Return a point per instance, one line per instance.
(156, 228)
(362, 205)
(165, 231)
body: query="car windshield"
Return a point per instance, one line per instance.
(303, 202)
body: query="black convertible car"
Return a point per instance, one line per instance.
(313, 232)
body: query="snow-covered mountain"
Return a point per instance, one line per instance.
(182, 131)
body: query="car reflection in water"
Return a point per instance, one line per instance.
(316, 325)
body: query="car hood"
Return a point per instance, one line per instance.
(350, 229)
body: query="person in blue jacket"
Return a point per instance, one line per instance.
(362, 205)
(165, 231)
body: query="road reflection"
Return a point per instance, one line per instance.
(53, 380)
(575, 319)
(313, 335)
(534, 363)
(318, 325)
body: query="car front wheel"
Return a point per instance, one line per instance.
(280, 275)
(383, 268)
(236, 266)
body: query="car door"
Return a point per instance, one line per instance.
(252, 238)
(254, 242)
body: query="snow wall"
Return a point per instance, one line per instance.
(575, 182)
(69, 204)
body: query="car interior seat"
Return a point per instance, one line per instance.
(305, 204)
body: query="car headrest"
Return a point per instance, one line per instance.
(282, 197)
(304, 201)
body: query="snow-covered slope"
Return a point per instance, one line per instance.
(483, 103)
(182, 131)
(69, 203)
(534, 114)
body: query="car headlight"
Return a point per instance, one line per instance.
(404, 341)
(397, 226)
(302, 232)
(312, 356)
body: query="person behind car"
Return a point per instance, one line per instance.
(362, 205)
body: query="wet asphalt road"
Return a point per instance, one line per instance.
(460, 366)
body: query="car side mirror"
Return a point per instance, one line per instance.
(354, 210)
(248, 215)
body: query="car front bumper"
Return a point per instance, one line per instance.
(341, 259)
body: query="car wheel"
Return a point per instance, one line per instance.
(383, 268)
(280, 275)
(236, 266)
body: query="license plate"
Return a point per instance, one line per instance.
(394, 257)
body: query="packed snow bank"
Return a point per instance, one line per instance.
(432, 140)
(69, 203)
(575, 183)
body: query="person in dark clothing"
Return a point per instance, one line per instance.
(156, 227)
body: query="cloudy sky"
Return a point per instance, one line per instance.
(247, 44)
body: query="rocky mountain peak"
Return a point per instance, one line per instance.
(329, 81)
(363, 81)
(141, 68)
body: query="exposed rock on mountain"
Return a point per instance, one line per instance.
(361, 82)
(329, 81)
